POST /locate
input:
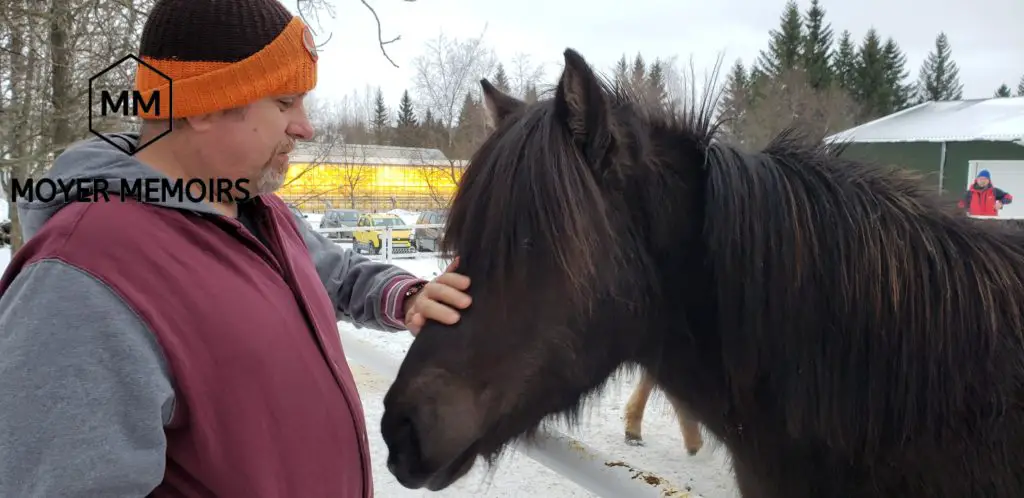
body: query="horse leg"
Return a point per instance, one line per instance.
(635, 410)
(692, 438)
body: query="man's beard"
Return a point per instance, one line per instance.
(271, 180)
(272, 177)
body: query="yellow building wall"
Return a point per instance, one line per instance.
(375, 186)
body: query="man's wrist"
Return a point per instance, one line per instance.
(410, 295)
(400, 291)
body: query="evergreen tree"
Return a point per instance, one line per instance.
(735, 98)
(757, 82)
(939, 78)
(655, 85)
(470, 130)
(429, 135)
(844, 64)
(817, 48)
(406, 129)
(1003, 91)
(381, 119)
(872, 92)
(466, 113)
(639, 73)
(621, 73)
(406, 115)
(1020, 87)
(501, 79)
(900, 93)
(785, 45)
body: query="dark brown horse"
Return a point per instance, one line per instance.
(842, 331)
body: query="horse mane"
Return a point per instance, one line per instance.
(524, 199)
(561, 217)
(868, 310)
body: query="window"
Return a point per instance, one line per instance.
(348, 215)
(387, 222)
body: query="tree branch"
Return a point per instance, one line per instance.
(380, 35)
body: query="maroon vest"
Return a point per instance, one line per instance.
(266, 406)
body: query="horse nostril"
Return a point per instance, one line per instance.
(407, 432)
(404, 459)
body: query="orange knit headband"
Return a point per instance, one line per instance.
(286, 66)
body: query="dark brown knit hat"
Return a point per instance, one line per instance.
(222, 54)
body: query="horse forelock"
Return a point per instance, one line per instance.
(528, 201)
(849, 292)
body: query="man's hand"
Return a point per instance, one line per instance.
(438, 300)
(999, 205)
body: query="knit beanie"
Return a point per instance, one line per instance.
(985, 173)
(222, 54)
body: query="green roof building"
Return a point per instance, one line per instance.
(950, 142)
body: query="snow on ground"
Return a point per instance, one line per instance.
(707, 474)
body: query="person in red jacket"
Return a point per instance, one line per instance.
(983, 198)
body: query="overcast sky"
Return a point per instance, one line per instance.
(987, 36)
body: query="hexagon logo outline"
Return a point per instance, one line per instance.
(170, 105)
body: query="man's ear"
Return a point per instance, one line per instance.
(498, 104)
(582, 105)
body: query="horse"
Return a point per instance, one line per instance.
(693, 440)
(840, 330)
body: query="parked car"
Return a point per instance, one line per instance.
(425, 239)
(339, 218)
(373, 240)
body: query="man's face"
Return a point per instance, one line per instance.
(982, 181)
(254, 143)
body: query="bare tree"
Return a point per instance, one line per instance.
(313, 8)
(355, 172)
(788, 101)
(525, 75)
(440, 179)
(49, 51)
(446, 71)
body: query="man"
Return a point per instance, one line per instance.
(983, 198)
(164, 347)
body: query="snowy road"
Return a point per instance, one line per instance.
(707, 474)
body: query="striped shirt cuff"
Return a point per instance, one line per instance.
(393, 299)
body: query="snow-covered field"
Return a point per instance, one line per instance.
(707, 474)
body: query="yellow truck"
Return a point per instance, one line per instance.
(372, 241)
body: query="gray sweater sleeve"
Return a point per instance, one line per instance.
(364, 292)
(84, 390)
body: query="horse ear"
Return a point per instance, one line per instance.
(497, 104)
(581, 103)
